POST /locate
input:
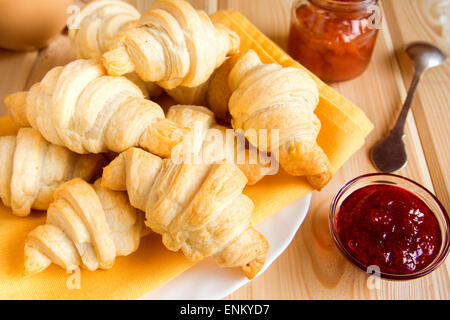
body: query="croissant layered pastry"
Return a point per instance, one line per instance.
(98, 23)
(214, 93)
(88, 226)
(197, 208)
(31, 169)
(268, 96)
(81, 108)
(190, 96)
(173, 45)
(209, 142)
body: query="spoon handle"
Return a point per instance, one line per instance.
(400, 124)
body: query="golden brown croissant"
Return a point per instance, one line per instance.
(210, 142)
(79, 107)
(31, 169)
(87, 225)
(272, 97)
(198, 208)
(214, 93)
(219, 92)
(173, 45)
(190, 96)
(97, 24)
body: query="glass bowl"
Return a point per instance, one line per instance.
(391, 179)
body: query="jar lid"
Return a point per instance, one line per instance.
(344, 6)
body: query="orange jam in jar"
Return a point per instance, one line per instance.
(334, 39)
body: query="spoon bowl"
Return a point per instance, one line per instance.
(425, 55)
(389, 155)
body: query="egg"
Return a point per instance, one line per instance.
(31, 24)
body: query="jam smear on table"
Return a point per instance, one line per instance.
(334, 45)
(389, 227)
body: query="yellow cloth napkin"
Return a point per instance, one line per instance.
(344, 128)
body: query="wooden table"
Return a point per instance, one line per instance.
(312, 267)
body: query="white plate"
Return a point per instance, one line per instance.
(206, 281)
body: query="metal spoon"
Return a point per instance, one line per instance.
(389, 155)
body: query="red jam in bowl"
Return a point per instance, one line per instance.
(389, 227)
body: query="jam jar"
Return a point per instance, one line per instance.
(334, 39)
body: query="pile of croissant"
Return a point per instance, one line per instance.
(96, 113)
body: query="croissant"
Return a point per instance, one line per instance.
(190, 96)
(214, 93)
(31, 169)
(219, 92)
(173, 45)
(79, 107)
(272, 97)
(98, 23)
(209, 141)
(198, 208)
(87, 225)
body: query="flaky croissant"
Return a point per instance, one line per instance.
(79, 107)
(87, 225)
(198, 208)
(31, 169)
(96, 26)
(173, 45)
(190, 96)
(268, 96)
(97, 23)
(214, 93)
(209, 142)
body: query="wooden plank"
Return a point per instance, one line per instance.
(209, 6)
(409, 21)
(58, 53)
(15, 67)
(23, 69)
(271, 17)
